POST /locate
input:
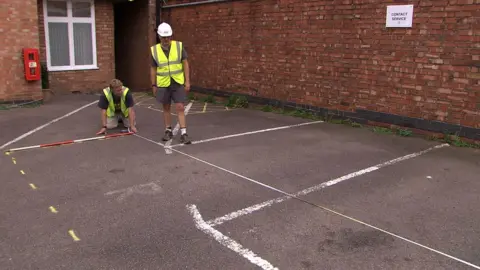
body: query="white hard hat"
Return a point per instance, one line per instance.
(164, 30)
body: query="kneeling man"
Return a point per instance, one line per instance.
(116, 103)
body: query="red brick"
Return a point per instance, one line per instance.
(337, 49)
(19, 30)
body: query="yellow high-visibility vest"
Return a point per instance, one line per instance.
(171, 67)
(111, 104)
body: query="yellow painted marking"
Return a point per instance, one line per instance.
(14, 161)
(22, 171)
(33, 186)
(53, 209)
(72, 234)
(7, 153)
(205, 107)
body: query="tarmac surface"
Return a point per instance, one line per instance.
(255, 190)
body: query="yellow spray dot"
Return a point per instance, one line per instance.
(53, 210)
(33, 186)
(72, 234)
(7, 153)
(21, 171)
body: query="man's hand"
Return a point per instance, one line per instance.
(133, 129)
(186, 70)
(154, 90)
(102, 131)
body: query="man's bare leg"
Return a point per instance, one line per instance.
(181, 115)
(183, 123)
(167, 116)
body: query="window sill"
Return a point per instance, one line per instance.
(72, 68)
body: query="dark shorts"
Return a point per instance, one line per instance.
(175, 92)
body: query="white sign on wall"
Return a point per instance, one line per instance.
(399, 16)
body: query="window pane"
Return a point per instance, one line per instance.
(81, 9)
(58, 44)
(57, 8)
(82, 37)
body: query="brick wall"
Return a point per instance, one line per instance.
(87, 80)
(338, 54)
(18, 29)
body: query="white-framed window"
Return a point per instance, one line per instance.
(70, 34)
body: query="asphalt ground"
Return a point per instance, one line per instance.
(255, 190)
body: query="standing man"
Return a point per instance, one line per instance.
(172, 79)
(116, 103)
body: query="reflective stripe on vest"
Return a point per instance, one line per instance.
(170, 67)
(111, 104)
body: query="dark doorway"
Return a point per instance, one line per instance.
(132, 55)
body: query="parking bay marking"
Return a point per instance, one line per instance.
(373, 168)
(227, 241)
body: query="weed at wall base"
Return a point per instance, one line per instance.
(392, 130)
(404, 132)
(457, 141)
(236, 101)
(209, 99)
(191, 97)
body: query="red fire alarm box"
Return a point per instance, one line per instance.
(31, 62)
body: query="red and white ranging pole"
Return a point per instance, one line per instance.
(70, 142)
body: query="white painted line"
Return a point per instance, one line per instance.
(251, 132)
(213, 165)
(150, 107)
(246, 211)
(256, 207)
(227, 241)
(140, 102)
(192, 113)
(403, 238)
(168, 149)
(47, 124)
(335, 181)
(136, 94)
(300, 193)
(147, 139)
(394, 235)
